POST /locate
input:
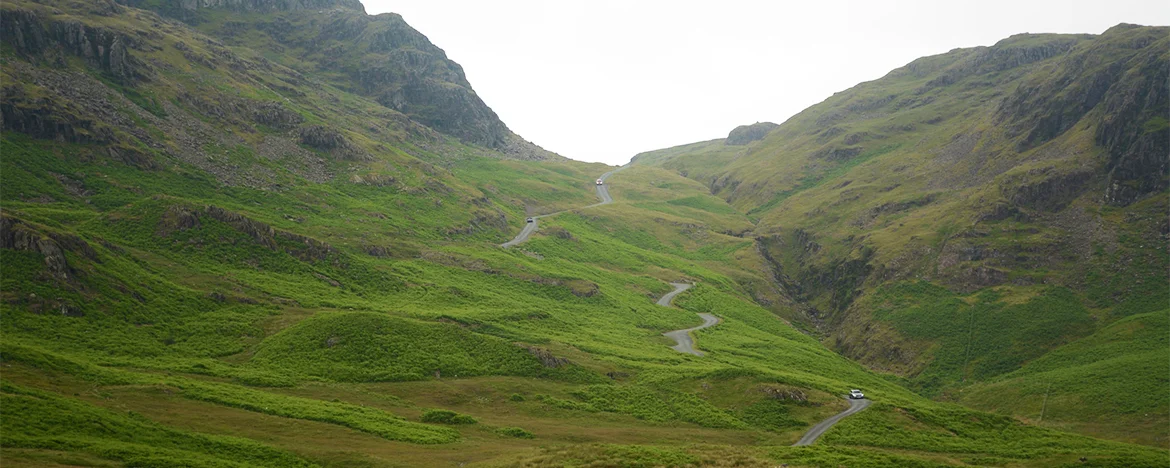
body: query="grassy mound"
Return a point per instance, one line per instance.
(442, 416)
(369, 347)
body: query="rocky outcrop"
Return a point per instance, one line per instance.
(74, 108)
(45, 118)
(275, 115)
(178, 218)
(547, 359)
(868, 217)
(745, 134)
(836, 154)
(784, 393)
(1052, 192)
(18, 235)
(481, 220)
(1015, 51)
(583, 288)
(322, 137)
(304, 248)
(331, 141)
(373, 179)
(560, 233)
(31, 36)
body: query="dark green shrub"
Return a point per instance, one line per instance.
(515, 432)
(441, 416)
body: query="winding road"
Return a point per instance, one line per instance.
(816, 431)
(603, 190)
(682, 338)
(529, 228)
(684, 342)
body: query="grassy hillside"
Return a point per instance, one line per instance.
(971, 211)
(1089, 384)
(216, 255)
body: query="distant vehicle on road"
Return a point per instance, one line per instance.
(530, 220)
(600, 182)
(856, 394)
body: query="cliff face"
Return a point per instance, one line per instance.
(101, 47)
(380, 57)
(415, 77)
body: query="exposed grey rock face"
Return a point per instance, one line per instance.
(1130, 96)
(302, 247)
(745, 134)
(411, 75)
(17, 235)
(31, 35)
(1136, 134)
(1051, 193)
(331, 141)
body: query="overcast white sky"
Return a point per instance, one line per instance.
(602, 80)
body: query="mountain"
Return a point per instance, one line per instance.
(378, 57)
(267, 233)
(970, 212)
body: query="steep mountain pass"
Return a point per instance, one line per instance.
(218, 252)
(531, 226)
(199, 240)
(969, 212)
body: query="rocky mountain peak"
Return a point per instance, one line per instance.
(745, 134)
(377, 56)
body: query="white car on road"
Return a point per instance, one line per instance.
(856, 394)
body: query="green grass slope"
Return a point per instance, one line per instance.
(44, 421)
(371, 347)
(184, 258)
(1110, 382)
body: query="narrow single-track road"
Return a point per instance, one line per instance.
(524, 233)
(684, 342)
(682, 338)
(529, 228)
(603, 190)
(816, 431)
